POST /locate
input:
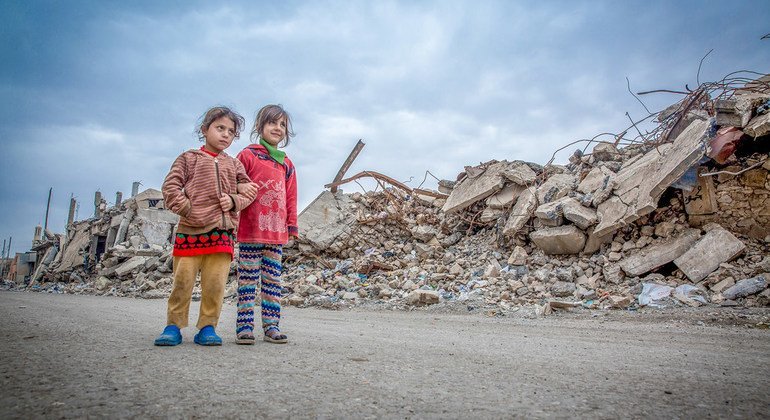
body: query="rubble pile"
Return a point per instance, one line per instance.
(679, 215)
(124, 250)
(688, 206)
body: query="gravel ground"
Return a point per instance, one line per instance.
(65, 356)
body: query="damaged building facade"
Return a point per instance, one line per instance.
(115, 244)
(679, 215)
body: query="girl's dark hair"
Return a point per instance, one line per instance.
(271, 113)
(216, 113)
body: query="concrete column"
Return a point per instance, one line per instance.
(135, 188)
(120, 236)
(118, 198)
(71, 216)
(97, 202)
(37, 236)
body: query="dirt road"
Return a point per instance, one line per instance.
(67, 356)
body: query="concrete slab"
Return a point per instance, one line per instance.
(758, 126)
(559, 240)
(473, 189)
(555, 187)
(72, 256)
(599, 178)
(610, 214)
(506, 197)
(129, 266)
(324, 220)
(582, 216)
(521, 213)
(520, 173)
(655, 256)
(595, 242)
(550, 214)
(714, 248)
(641, 183)
(606, 151)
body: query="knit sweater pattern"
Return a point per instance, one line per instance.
(272, 217)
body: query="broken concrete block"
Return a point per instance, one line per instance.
(422, 297)
(550, 214)
(555, 187)
(595, 242)
(655, 256)
(722, 285)
(129, 266)
(156, 232)
(563, 288)
(520, 173)
(612, 273)
(521, 213)
(758, 126)
(75, 248)
(715, 247)
(446, 186)
(747, 287)
(583, 217)
(102, 283)
(518, 256)
(506, 197)
(473, 189)
(747, 102)
(641, 182)
(610, 214)
(620, 302)
(424, 233)
(423, 250)
(606, 151)
(599, 182)
(726, 114)
(326, 219)
(295, 300)
(490, 214)
(559, 240)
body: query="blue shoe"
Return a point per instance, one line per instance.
(208, 337)
(171, 336)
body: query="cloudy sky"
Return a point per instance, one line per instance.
(99, 94)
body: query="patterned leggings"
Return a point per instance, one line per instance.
(258, 263)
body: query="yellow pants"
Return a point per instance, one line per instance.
(214, 269)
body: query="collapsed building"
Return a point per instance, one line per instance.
(679, 215)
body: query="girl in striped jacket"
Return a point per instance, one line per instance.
(202, 188)
(266, 225)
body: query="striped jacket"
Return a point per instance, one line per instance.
(193, 186)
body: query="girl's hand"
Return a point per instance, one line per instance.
(226, 203)
(248, 190)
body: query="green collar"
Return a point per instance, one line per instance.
(276, 154)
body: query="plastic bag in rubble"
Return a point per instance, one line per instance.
(689, 294)
(343, 266)
(653, 294)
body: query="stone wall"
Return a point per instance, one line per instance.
(740, 203)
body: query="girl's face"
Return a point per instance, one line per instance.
(274, 131)
(219, 135)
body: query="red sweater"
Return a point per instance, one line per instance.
(272, 217)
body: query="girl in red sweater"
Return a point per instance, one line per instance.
(265, 225)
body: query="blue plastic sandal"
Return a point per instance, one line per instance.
(171, 336)
(208, 337)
